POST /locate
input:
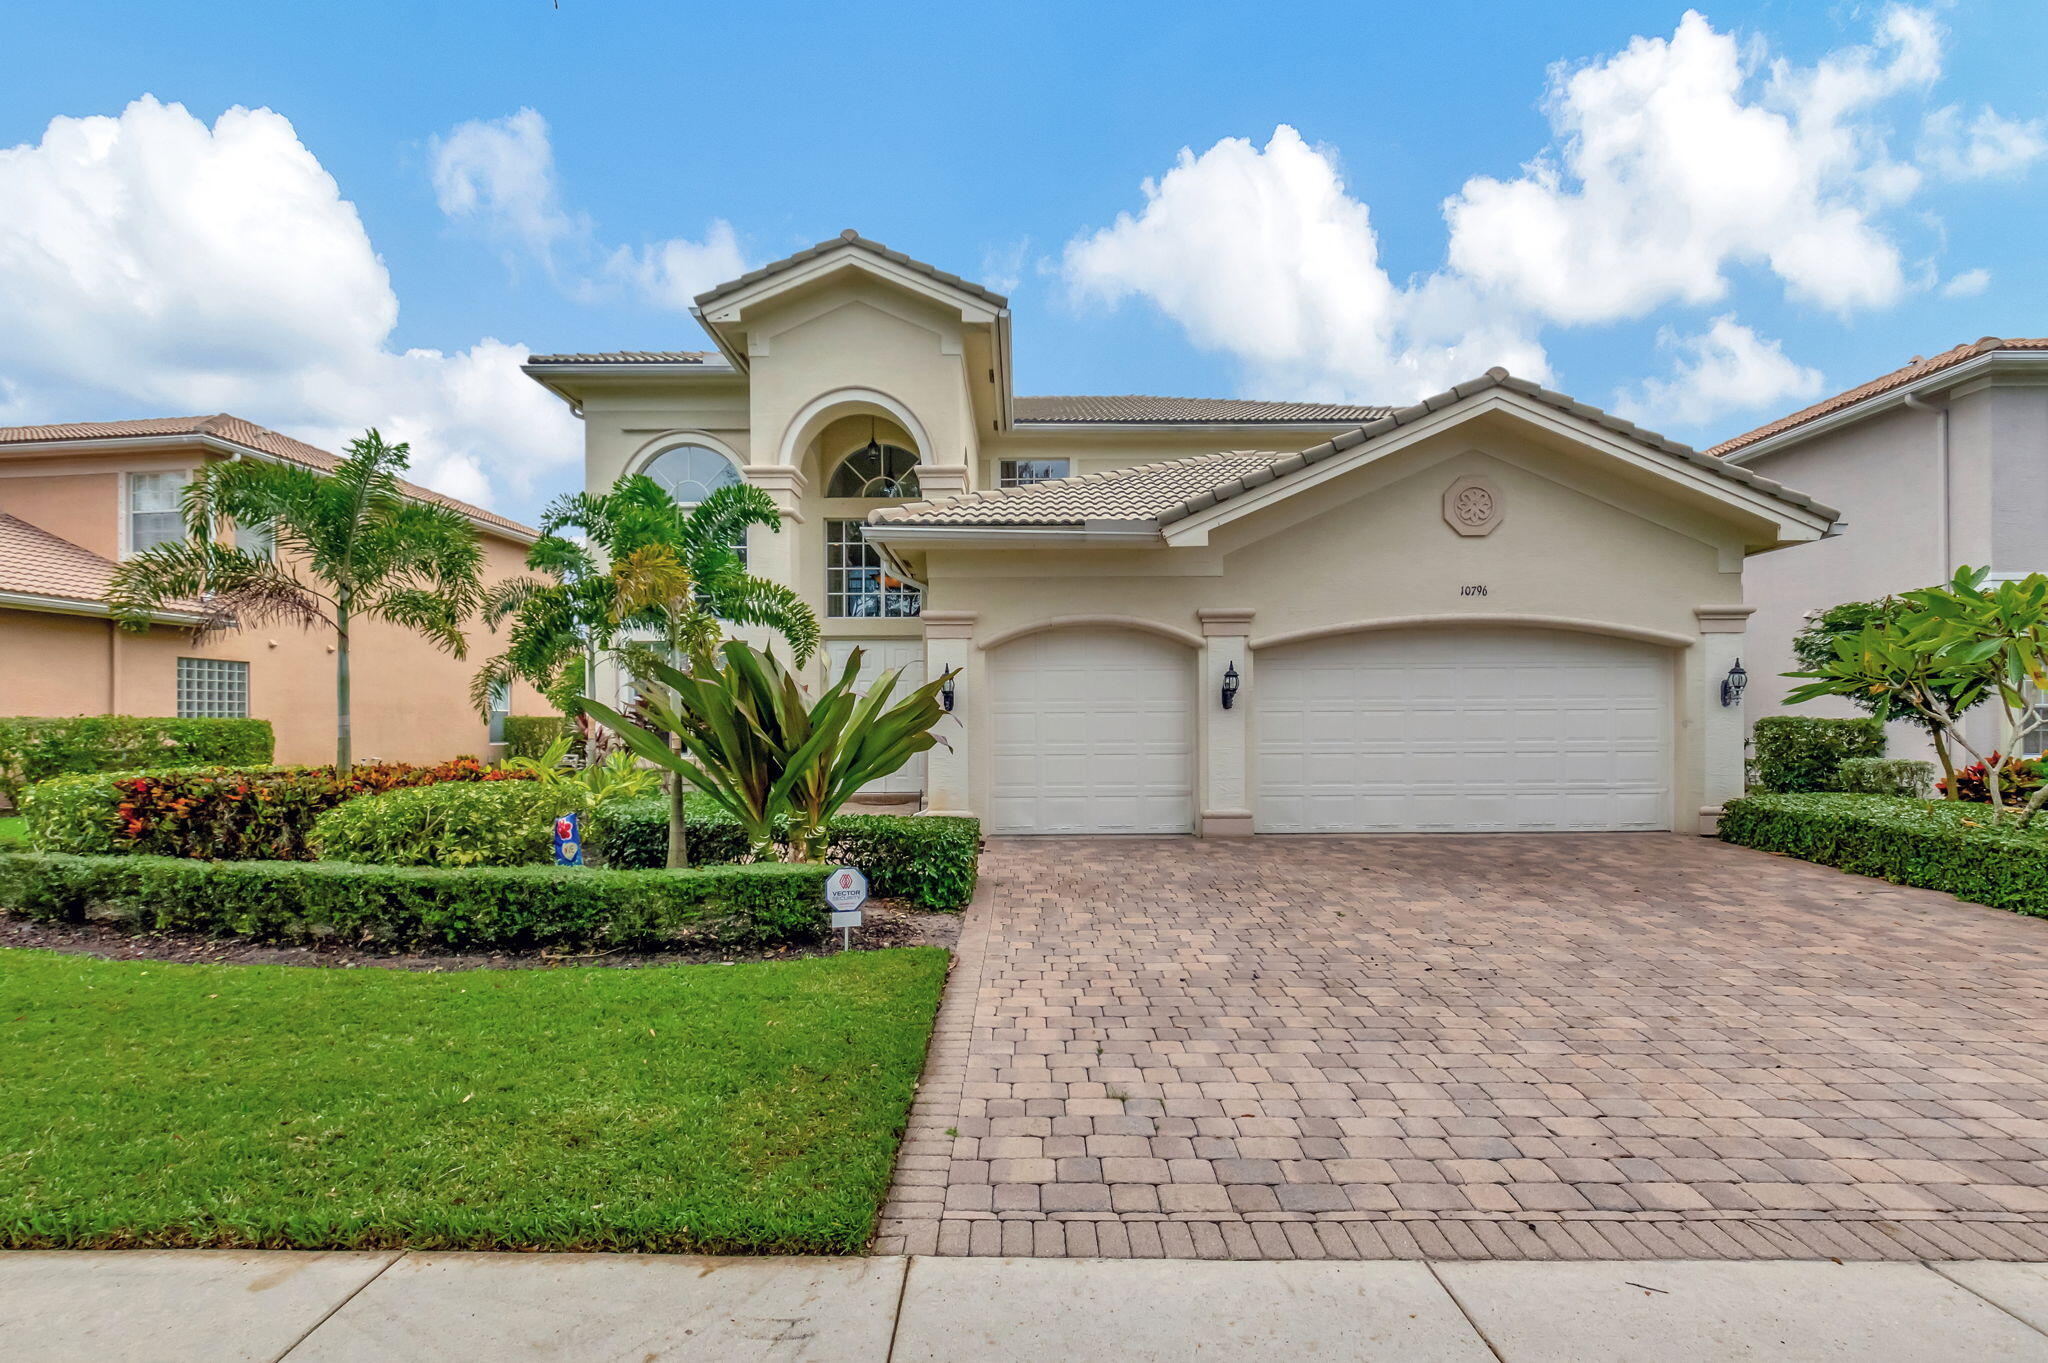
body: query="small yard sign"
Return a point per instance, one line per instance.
(569, 840)
(845, 891)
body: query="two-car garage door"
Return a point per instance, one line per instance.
(1462, 731)
(1437, 730)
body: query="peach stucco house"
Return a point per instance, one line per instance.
(75, 499)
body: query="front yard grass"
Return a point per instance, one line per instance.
(750, 1108)
(13, 833)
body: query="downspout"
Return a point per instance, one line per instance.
(1942, 542)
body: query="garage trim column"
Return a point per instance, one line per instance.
(1721, 727)
(948, 639)
(1223, 735)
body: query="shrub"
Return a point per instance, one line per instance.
(1936, 846)
(1794, 753)
(2018, 779)
(78, 814)
(411, 906)
(530, 735)
(930, 862)
(33, 750)
(1885, 776)
(266, 815)
(468, 823)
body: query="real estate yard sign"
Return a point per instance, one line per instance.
(845, 891)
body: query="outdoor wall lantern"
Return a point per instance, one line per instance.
(946, 694)
(1230, 684)
(1733, 683)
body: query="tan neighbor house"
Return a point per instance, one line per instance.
(75, 499)
(1498, 609)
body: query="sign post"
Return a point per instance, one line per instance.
(846, 889)
(569, 839)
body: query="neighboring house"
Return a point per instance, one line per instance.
(1940, 463)
(75, 499)
(1498, 609)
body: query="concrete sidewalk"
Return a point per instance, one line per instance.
(231, 1307)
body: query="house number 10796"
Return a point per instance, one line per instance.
(1474, 590)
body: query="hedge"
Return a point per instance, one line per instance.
(453, 823)
(1936, 845)
(530, 735)
(931, 862)
(1885, 776)
(423, 906)
(1795, 753)
(236, 813)
(33, 750)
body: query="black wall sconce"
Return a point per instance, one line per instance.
(1230, 685)
(1733, 684)
(946, 694)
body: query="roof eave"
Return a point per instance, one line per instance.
(1106, 534)
(1879, 403)
(71, 605)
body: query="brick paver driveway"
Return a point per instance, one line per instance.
(1628, 1045)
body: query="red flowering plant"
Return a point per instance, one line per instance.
(2018, 779)
(261, 814)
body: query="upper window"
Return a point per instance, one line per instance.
(153, 516)
(858, 584)
(501, 707)
(690, 473)
(875, 471)
(212, 688)
(1023, 472)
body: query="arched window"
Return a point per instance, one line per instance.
(875, 471)
(690, 473)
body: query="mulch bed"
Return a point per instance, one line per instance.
(887, 924)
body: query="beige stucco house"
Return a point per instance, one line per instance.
(1942, 462)
(76, 499)
(1497, 609)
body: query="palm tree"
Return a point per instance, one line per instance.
(343, 546)
(642, 564)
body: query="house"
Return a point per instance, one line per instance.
(76, 499)
(1496, 609)
(1941, 462)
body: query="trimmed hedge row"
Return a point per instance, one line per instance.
(930, 862)
(33, 750)
(1795, 753)
(1908, 842)
(235, 813)
(454, 823)
(411, 906)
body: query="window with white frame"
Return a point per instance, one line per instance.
(212, 688)
(858, 583)
(501, 708)
(2035, 744)
(875, 470)
(153, 515)
(1024, 472)
(690, 473)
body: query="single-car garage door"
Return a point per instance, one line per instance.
(1093, 733)
(1462, 731)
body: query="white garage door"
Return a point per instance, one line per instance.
(876, 657)
(1462, 731)
(1093, 733)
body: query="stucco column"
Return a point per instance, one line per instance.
(774, 556)
(1223, 737)
(935, 481)
(948, 637)
(1721, 726)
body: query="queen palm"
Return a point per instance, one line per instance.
(340, 547)
(642, 564)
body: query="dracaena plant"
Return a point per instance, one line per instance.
(766, 752)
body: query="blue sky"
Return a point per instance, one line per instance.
(1704, 222)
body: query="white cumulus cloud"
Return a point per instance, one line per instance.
(1986, 146)
(1675, 165)
(151, 264)
(1263, 252)
(1968, 284)
(1726, 368)
(498, 176)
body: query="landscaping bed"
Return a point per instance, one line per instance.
(1950, 846)
(714, 1109)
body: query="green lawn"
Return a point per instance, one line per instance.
(13, 833)
(722, 1109)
